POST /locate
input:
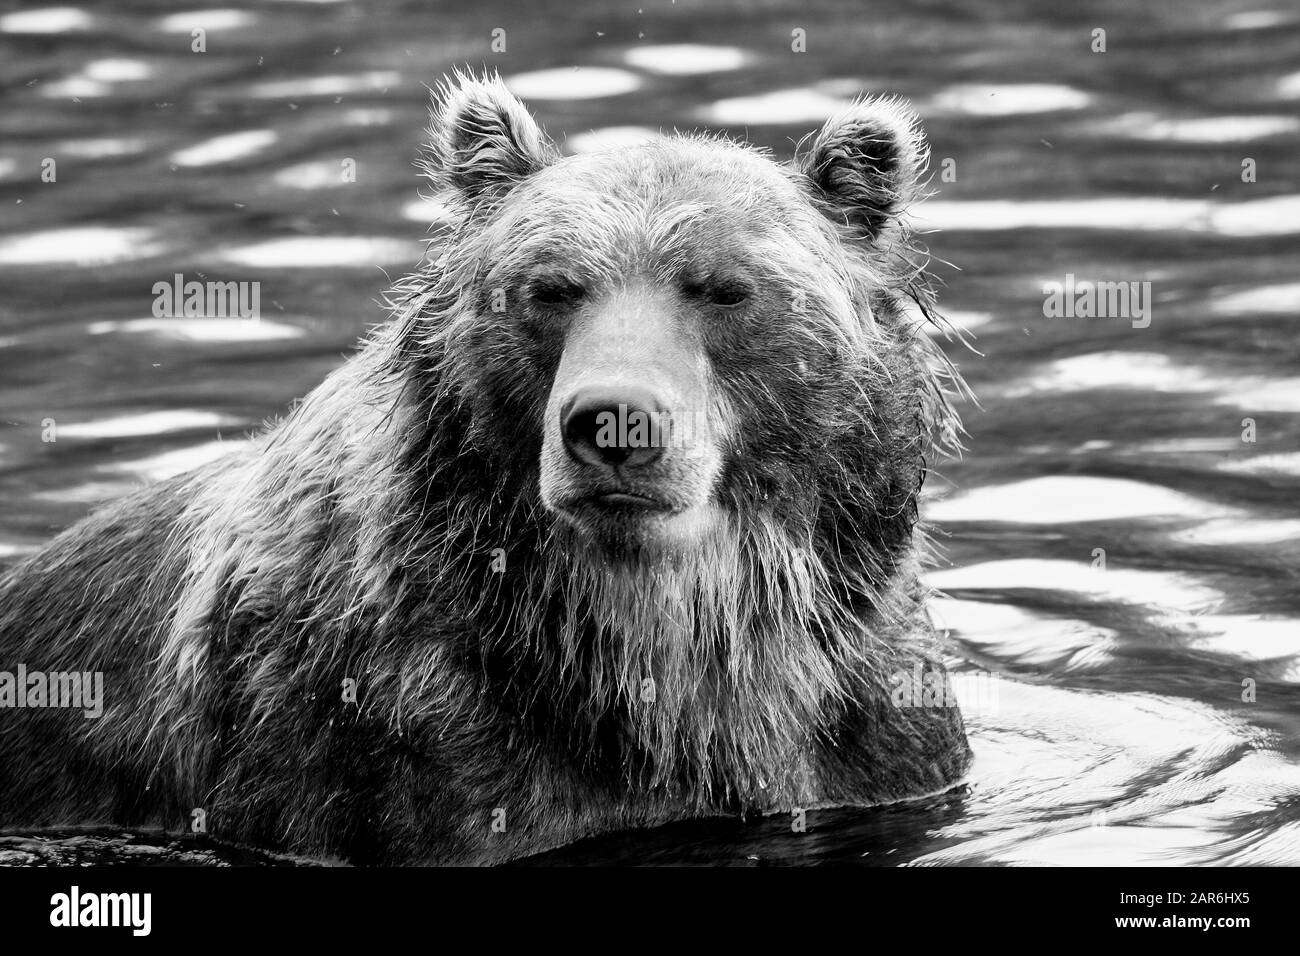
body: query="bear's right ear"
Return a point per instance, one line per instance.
(482, 141)
(865, 165)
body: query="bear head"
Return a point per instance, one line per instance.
(683, 331)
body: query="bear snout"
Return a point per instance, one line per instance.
(621, 448)
(623, 459)
(615, 426)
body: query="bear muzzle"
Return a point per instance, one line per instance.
(615, 425)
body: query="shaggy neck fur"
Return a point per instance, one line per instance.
(709, 658)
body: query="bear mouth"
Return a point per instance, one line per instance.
(630, 524)
(613, 514)
(626, 501)
(617, 501)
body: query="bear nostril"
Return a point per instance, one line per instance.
(614, 428)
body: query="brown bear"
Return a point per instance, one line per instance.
(614, 524)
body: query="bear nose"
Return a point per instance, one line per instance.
(614, 426)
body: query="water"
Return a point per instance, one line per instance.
(1105, 706)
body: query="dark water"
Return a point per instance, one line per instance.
(1105, 706)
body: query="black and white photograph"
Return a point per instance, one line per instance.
(673, 433)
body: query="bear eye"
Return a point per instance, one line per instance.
(723, 292)
(729, 294)
(555, 290)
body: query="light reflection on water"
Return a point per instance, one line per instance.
(1120, 734)
(1262, 217)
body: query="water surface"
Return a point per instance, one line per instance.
(1119, 732)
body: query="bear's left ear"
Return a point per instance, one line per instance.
(866, 164)
(482, 141)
